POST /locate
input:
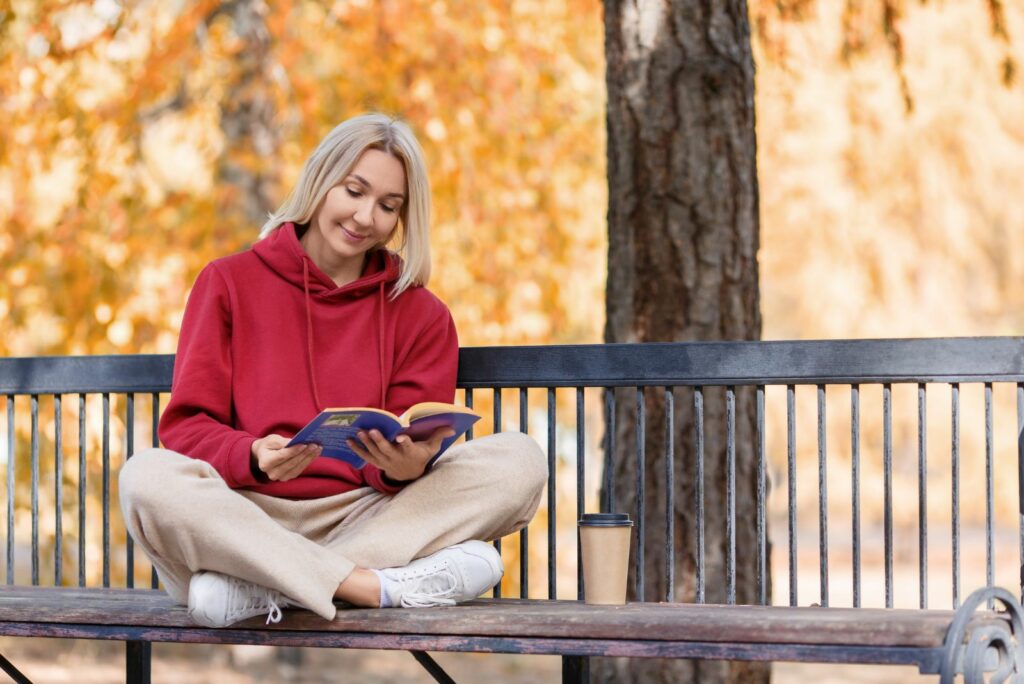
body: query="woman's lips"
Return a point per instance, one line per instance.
(353, 237)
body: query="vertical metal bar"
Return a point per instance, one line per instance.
(956, 494)
(496, 415)
(698, 411)
(58, 491)
(922, 492)
(35, 489)
(129, 449)
(154, 580)
(496, 409)
(524, 533)
(11, 460)
(81, 490)
(641, 476)
(791, 500)
(552, 489)
(989, 491)
(609, 450)
(581, 481)
(670, 496)
(730, 495)
(887, 476)
(822, 498)
(469, 404)
(762, 492)
(1020, 484)
(575, 669)
(106, 489)
(855, 476)
(155, 419)
(138, 657)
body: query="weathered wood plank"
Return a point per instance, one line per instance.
(514, 619)
(925, 658)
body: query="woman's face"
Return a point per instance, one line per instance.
(359, 213)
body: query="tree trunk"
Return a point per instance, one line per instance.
(682, 265)
(248, 169)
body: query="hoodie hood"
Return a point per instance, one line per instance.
(282, 252)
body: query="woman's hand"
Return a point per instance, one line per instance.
(281, 462)
(402, 459)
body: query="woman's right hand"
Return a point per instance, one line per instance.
(280, 462)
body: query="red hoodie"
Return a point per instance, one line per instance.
(268, 341)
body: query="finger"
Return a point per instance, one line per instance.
(378, 445)
(380, 442)
(407, 444)
(297, 466)
(281, 460)
(360, 450)
(438, 437)
(299, 450)
(294, 466)
(275, 441)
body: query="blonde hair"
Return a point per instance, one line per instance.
(332, 161)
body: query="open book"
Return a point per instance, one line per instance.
(333, 426)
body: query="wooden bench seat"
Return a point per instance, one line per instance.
(813, 634)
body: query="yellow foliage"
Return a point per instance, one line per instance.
(116, 152)
(878, 222)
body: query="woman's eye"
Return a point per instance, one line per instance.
(353, 193)
(390, 210)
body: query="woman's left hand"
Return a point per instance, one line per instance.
(402, 459)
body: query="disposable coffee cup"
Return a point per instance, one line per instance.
(604, 538)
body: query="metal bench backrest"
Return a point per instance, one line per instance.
(573, 392)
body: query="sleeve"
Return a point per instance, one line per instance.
(198, 419)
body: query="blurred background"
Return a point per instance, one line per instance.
(142, 139)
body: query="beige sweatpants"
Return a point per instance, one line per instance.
(186, 519)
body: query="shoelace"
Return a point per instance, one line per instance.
(253, 598)
(423, 594)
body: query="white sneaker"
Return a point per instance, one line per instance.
(457, 573)
(216, 600)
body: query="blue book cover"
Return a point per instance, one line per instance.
(333, 426)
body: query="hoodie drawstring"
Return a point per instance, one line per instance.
(310, 363)
(309, 335)
(380, 347)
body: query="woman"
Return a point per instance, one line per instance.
(320, 313)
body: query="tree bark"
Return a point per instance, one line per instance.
(248, 169)
(682, 265)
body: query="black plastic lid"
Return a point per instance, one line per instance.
(605, 520)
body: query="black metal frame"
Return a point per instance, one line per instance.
(836, 362)
(649, 369)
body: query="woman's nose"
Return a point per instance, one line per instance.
(364, 213)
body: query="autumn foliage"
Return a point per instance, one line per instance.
(140, 142)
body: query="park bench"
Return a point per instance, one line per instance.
(42, 597)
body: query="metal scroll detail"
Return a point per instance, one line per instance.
(992, 646)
